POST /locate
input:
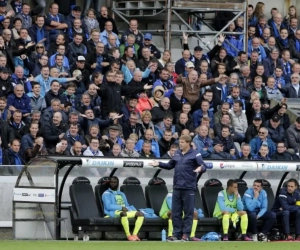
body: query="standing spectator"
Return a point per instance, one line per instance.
(38, 32)
(13, 155)
(104, 17)
(24, 15)
(133, 29)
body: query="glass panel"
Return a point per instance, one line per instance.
(34, 221)
(39, 173)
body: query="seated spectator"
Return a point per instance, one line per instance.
(108, 30)
(271, 61)
(286, 209)
(168, 85)
(203, 143)
(262, 154)
(158, 113)
(129, 107)
(203, 112)
(287, 63)
(170, 153)
(218, 153)
(157, 95)
(146, 151)
(49, 112)
(18, 78)
(272, 91)
(131, 41)
(165, 124)
(18, 100)
(12, 155)
(61, 148)
(149, 137)
(5, 114)
(90, 21)
(60, 50)
(284, 118)
(235, 96)
(184, 124)
(262, 139)
(16, 123)
(245, 152)
(76, 149)
(258, 87)
(144, 102)
(255, 46)
(275, 131)
(166, 141)
(252, 130)
(229, 145)
(132, 30)
(53, 131)
(239, 119)
(293, 136)
(282, 154)
(294, 44)
(132, 126)
(116, 151)
(72, 136)
(37, 102)
(78, 27)
(116, 205)
(93, 148)
(276, 25)
(129, 151)
(114, 135)
(76, 49)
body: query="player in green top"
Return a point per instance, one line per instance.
(230, 206)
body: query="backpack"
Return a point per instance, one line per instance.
(212, 236)
(275, 235)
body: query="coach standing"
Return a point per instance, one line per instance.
(187, 163)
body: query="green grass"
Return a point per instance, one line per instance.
(124, 245)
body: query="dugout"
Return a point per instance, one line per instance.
(41, 199)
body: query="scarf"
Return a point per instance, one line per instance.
(4, 116)
(26, 19)
(274, 26)
(92, 22)
(95, 153)
(76, 138)
(54, 18)
(18, 126)
(224, 91)
(40, 34)
(284, 42)
(287, 68)
(297, 45)
(78, 31)
(18, 7)
(18, 160)
(126, 44)
(204, 140)
(278, 80)
(259, 53)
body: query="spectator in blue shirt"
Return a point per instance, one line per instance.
(18, 100)
(203, 112)
(256, 205)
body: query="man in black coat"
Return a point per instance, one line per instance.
(158, 113)
(282, 154)
(132, 126)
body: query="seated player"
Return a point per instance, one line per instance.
(229, 205)
(255, 202)
(116, 205)
(166, 213)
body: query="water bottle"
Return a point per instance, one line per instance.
(220, 237)
(163, 235)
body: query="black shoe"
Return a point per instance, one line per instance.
(172, 239)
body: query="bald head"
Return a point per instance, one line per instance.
(57, 118)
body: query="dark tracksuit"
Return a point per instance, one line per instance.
(184, 186)
(289, 212)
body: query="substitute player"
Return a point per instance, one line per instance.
(230, 206)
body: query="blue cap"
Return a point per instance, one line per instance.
(3, 3)
(148, 36)
(257, 117)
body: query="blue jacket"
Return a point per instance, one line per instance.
(236, 43)
(256, 142)
(27, 141)
(33, 34)
(110, 203)
(24, 81)
(45, 89)
(184, 165)
(231, 100)
(160, 128)
(263, 54)
(168, 89)
(258, 157)
(154, 146)
(104, 38)
(23, 103)
(223, 207)
(259, 204)
(204, 143)
(65, 61)
(128, 76)
(286, 201)
(198, 115)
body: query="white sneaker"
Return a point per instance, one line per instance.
(254, 237)
(262, 237)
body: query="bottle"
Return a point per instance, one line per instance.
(163, 235)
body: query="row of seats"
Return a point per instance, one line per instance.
(87, 211)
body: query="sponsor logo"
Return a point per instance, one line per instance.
(247, 166)
(17, 194)
(226, 165)
(41, 195)
(102, 163)
(209, 165)
(25, 194)
(297, 167)
(274, 167)
(133, 164)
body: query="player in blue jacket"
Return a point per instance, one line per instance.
(187, 162)
(256, 204)
(287, 208)
(116, 206)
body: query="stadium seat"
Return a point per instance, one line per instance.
(158, 41)
(209, 194)
(270, 194)
(99, 190)
(85, 215)
(135, 196)
(242, 186)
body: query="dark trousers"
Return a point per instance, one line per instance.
(182, 200)
(268, 217)
(285, 216)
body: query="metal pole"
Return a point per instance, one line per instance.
(207, 32)
(168, 25)
(245, 27)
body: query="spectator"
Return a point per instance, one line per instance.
(38, 32)
(24, 15)
(76, 149)
(158, 113)
(146, 150)
(239, 119)
(18, 100)
(245, 152)
(90, 21)
(132, 126)
(132, 30)
(72, 136)
(291, 90)
(203, 143)
(93, 148)
(165, 142)
(5, 114)
(61, 148)
(282, 154)
(262, 139)
(293, 135)
(203, 112)
(171, 152)
(252, 130)
(13, 156)
(129, 151)
(16, 123)
(163, 125)
(262, 154)
(218, 152)
(37, 102)
(104, 17)
(5, 82)
(223, 110)
(284, 118)
(149, 137)
(275, 131)
(154, 52)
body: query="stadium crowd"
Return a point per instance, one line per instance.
(72, 84)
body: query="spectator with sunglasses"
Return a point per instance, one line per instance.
(262, 139)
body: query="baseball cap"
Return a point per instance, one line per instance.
(80, 59)
(148, 36)
(76, 8)
(198, 48)
(190, 65)
(3, 3)
(5, 70)
(217, 141)
(257, 117)
(275, 118)
(114, 127)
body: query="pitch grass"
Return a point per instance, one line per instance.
(124, 245)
